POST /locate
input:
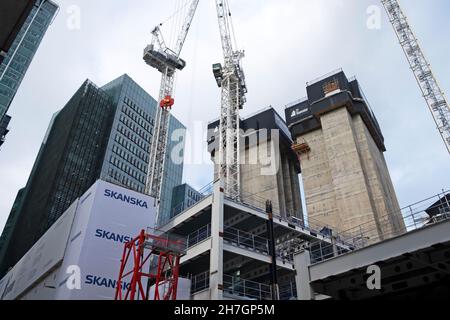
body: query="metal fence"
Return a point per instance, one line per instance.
(288, 291)
(165, 241)
(245, 239)
(414, 216)
(246, 288)
(187, 204)
(199, 236)
(314, 226)
(237, 287)
(200, 282)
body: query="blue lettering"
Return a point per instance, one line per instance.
(99, 233)
(124, 198)
(104, 282)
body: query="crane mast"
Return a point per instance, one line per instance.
(231, 79)
(429, 86)
(166, 61)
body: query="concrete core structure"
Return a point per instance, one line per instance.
(340, 146)
(269, 167)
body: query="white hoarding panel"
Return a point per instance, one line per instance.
(45, 289)
(75, 243)
(79, 257)
(44, 256)
(107, 220)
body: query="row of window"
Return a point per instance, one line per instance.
(129, 158)
(133, 149)
(139, 111)
(193, 195)
(138, 122)
(124, 180)
(127, 169)
(130, 135)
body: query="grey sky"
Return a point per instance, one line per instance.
(287, 42)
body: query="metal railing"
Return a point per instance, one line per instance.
(329, 74)
(394, 224)
(288, 291)
(246, 288)
(186, 205)
(247, 240)
(315, 227)
(237, 287)
(165, 241)
(200, 282)
(199, 236)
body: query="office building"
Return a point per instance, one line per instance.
(128, 151)
(102, 133)
(23, 26)
(13, 14)
(269, 167)
(184, 196)
(346, 180)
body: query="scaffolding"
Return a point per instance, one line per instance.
(159, 254)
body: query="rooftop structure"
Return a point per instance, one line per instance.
(340, 147)
(269, 168)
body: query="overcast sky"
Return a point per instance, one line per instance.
(287, 43)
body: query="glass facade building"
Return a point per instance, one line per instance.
(22, 51)
(184, 196)
(173, 168)
(128, 153)
(102, 133)
(4, 127)
(68, 163)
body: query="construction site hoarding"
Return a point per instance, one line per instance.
(105, 218)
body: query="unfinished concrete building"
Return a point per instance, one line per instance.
(340, 146)
(269, 168)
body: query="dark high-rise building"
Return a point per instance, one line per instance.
(102, 133)
(184, 196)
(23, 25)
(68, 163)
(4, 128)
(13, 14)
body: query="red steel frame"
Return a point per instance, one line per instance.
(167, 269)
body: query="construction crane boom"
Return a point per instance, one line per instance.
(429, 86)
(159, 56)
(231, 79)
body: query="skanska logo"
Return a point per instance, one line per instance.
(97, 281)
(107, 235)
(124, 198)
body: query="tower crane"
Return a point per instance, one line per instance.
(167, 61)
(434, 96)
(231, 79)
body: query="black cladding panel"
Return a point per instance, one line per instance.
(316, 90)
(13, 14)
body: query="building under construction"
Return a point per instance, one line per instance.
(340, 146)
(245, 237)
(269, 168)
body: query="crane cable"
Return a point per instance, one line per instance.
(230, 18)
